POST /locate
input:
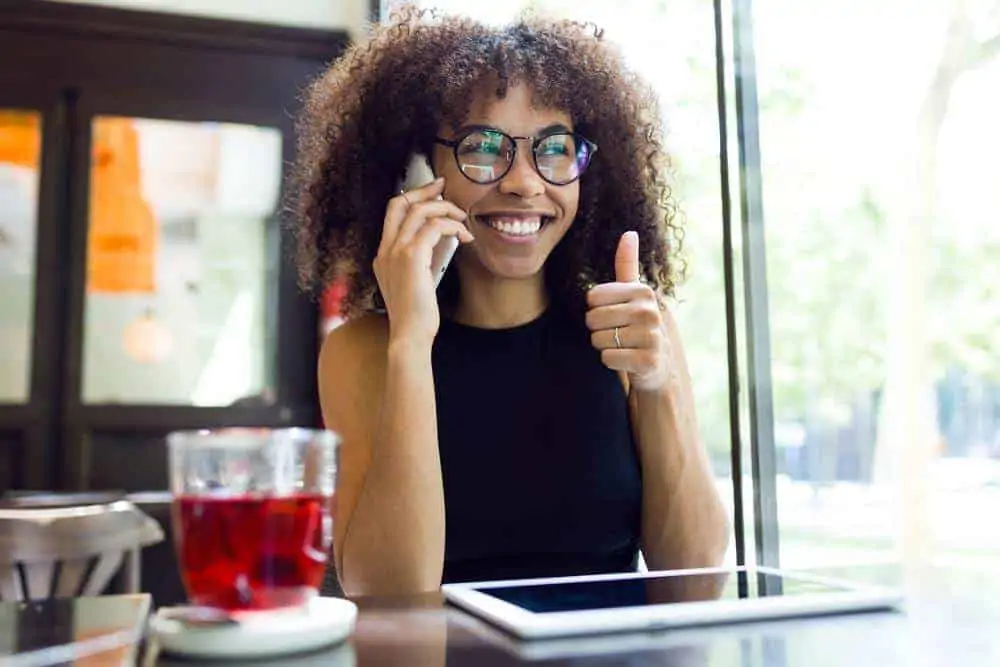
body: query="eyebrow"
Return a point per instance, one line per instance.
(545, 131)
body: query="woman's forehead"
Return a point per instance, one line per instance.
(518, 112)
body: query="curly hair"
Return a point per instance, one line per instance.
(387, 98)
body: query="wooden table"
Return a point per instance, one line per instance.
(944, 625)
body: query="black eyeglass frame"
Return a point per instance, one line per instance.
(453, 144)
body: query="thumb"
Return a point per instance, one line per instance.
(627, 258)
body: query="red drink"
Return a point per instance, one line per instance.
(249, 552)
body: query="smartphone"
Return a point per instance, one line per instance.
(418, 174)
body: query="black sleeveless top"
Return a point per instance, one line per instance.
(541, 476)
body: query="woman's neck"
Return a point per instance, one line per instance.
(496, 303)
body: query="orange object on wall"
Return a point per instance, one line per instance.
(122, 237)
(20, 138)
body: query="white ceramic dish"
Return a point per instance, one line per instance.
(322, 623)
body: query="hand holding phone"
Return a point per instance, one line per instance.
(419, 174)
(417, 221)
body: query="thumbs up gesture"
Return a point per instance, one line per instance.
(626, 324)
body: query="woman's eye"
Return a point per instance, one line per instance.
(490, 148)
(480, 151)
(483, 144)
(554, 148)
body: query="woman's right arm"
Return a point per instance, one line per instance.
(389, 526)
(377, 391)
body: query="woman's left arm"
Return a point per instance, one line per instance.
(684, 523)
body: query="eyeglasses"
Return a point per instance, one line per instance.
(484, 155)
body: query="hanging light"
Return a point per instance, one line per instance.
(147, 340)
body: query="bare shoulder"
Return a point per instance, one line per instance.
(352, 364)
(351, 378)
(366, 335)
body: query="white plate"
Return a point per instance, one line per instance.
(322, 623)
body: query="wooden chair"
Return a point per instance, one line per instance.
(71, 550)
(330, 586)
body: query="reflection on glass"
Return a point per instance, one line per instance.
(671, 44)
(882, 247)
(177, 275)
(20, 147)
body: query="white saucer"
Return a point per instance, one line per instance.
(321, 623)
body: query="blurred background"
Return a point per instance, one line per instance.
(849, 395)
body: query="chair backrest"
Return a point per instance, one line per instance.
(67, 551)
(330, 586)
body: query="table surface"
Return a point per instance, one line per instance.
(944, 624)
(84, 632)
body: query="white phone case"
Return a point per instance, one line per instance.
(419, 174)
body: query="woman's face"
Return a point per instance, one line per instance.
(518, 220)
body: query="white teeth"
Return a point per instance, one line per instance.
(515, 227)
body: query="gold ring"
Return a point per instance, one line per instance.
(618, 340)
(403, 194)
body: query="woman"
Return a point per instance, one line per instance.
(533, 415)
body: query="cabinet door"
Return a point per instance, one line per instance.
(168, 290)
(22, 131)
(33, 133)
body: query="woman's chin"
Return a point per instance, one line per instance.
(509, 268)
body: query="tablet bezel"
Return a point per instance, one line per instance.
(528, 624)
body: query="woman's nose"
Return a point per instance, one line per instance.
(522, 179)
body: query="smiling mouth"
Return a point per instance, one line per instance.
(515, 225)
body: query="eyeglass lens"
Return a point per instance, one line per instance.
(485, 156)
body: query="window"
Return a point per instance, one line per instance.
(880, 203)
(20, 151)
(177, 276)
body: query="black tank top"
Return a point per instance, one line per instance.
(540, 471)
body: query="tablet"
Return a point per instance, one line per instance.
(563, 606)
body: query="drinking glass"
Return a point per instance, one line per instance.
(252, 514)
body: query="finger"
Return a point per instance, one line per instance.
(607, 294)
(630, 338)
(629, 361)
(637, 312)
(399, 206)
(627, 258)
(420, 213)
(395, 213)
(608, 317)
(432, 231)
(427, 192)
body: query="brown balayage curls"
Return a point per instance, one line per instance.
(386, 98)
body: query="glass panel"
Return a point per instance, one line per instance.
(20, 160)
(882, 247)
(321, 14)
(672, 45)
(177, 274)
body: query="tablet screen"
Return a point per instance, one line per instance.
(652, 590)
